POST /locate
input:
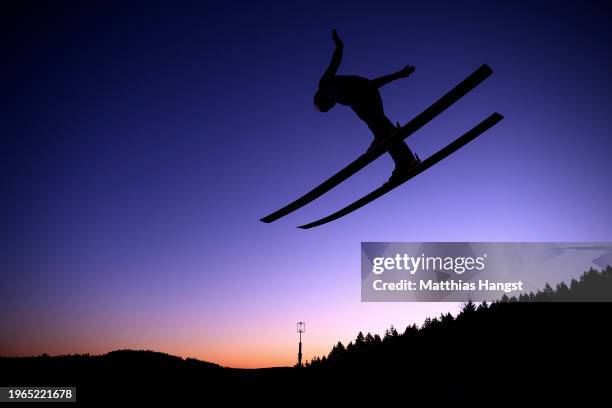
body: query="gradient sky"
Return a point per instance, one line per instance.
(141, 145)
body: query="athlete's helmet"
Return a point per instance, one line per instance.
(323, 101)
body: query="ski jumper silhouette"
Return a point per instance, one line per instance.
(362, 96)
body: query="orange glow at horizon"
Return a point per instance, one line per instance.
(236, 346)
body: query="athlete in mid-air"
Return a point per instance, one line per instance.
(362, 96)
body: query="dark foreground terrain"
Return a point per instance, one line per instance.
(513, 351)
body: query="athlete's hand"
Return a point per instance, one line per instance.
(406, 71)
(336, 38)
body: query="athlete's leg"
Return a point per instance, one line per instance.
(402, 155)
(373, 114)
(399, 150)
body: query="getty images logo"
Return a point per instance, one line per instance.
(413, 264)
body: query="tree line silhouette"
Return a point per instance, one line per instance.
(484, 319)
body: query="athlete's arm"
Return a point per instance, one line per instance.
(336, 58)
(384, 80)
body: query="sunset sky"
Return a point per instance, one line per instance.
(142, 144)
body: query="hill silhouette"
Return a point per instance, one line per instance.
(509, 350)
(141, 375)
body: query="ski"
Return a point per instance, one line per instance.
(424, 165)
(415, 124)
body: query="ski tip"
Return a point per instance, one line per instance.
(485, 69)
(266, 219)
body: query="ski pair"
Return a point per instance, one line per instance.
(408, 129)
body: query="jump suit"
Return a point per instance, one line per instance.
(364, 99)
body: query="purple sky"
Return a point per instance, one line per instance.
(142, 145)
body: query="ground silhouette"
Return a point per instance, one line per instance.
(513, 350)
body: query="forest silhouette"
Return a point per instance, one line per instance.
(502, 351)
(592, 286)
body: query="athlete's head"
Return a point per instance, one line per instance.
(323, 101)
